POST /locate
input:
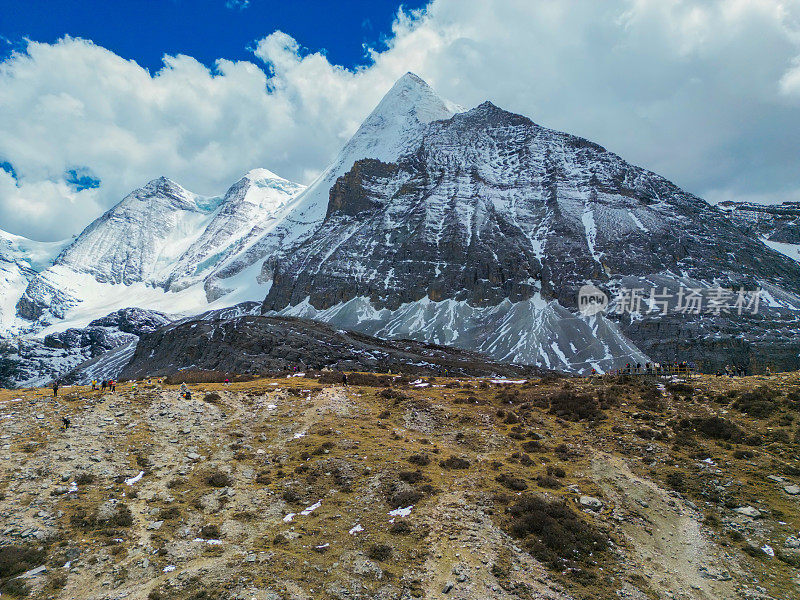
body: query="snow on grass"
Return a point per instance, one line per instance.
(136, 479)
(288, 518)
(401, 512)
(309, 509)
(356, 528)
(169, 568)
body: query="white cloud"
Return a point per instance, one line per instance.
(705, 92)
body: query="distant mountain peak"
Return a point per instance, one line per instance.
(260, 174)
(410, 96)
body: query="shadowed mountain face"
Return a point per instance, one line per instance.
(489, 209)
(256, 344)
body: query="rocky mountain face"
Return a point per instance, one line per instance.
(469, 228)
(21, 260)
(776, 222)
(776, 225)
(257, 345)
(248, 212)
(481, 231)
(74, 354)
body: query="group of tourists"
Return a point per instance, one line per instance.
(653, 368)
(106, 384)
(734, 371)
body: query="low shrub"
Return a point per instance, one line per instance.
(404, 497)
(454, 462)
(291, 496)
(380, 552)
(331, 377)
(210, 532)
(513, 483)
(677, 387)
(714, 427)
(548, 481)
(369, 379)
(759, 403)
(575, 407)
(411, 476)
(16, 559)
(85, 479)
(554, 533)
(219, 479)
(400, 528)
(421, 460)
(533, 446)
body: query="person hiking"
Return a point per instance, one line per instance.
(113, 385)
(344, 379)
(103, 385)
(65, 423)
(55, 388)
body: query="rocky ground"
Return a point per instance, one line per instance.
(404, 488)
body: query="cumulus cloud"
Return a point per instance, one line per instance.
(705, 92)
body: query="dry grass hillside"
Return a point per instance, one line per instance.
(391, 488)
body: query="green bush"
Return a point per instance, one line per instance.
(554, 533)
(759, 403)
(18, 559)
(511, 482)
(380, 552)
(575, 407)
(455, 462)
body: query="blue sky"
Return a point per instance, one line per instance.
(99, 97)
(145, 30)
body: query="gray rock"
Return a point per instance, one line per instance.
(748, 511)
(34, 572)
(591, 503)
(792, 489)
(707, 572)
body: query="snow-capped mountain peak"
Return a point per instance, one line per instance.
(410, 99)
(386, 132)
(160, 238)
(141, 236)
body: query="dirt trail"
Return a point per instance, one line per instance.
(472, 558)
(664, 535)
(332, 399)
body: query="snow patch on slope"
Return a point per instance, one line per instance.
(533, 331)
